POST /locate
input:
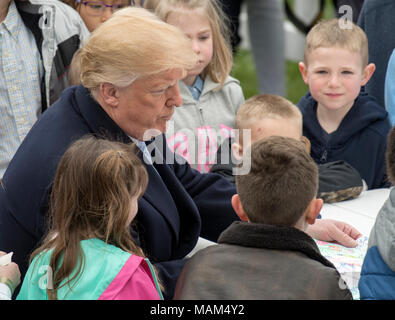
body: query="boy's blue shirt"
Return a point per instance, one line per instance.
(359, 140)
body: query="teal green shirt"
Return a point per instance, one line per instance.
(102, 263)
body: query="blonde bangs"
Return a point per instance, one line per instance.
(329, 33)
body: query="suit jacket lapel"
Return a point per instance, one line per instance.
(157, 193)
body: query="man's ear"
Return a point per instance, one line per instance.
(237, 151)
(367, 73)
(109, 94)
(313, 210)
(236, 204)
(303, 72)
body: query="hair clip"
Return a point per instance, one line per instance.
(120, 153)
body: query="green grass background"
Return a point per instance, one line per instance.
(244, 70)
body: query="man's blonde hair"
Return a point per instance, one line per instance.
(330, 33)
(75, 69)
(264, 106)
(221, 63)
(133, 43)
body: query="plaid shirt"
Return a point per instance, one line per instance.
(21, 71)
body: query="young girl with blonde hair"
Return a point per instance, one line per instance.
(89, 252)
(210, 96)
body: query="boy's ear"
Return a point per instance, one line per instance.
(303, 72)
(307, 144)
(313, 210)
(367, 73)
(236, 204)
(109, 94)
(237, 151)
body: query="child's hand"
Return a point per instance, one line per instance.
(11, 272)
(334, 231)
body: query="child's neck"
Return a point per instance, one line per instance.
(301, 225)
(189, 80)
(330, 119)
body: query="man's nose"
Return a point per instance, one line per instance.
(174, 96)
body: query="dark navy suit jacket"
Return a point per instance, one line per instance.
(179, 205)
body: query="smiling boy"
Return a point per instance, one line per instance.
(340, 122)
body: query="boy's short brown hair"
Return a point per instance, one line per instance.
(330, 33)
(264, 106)
(281, 183)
